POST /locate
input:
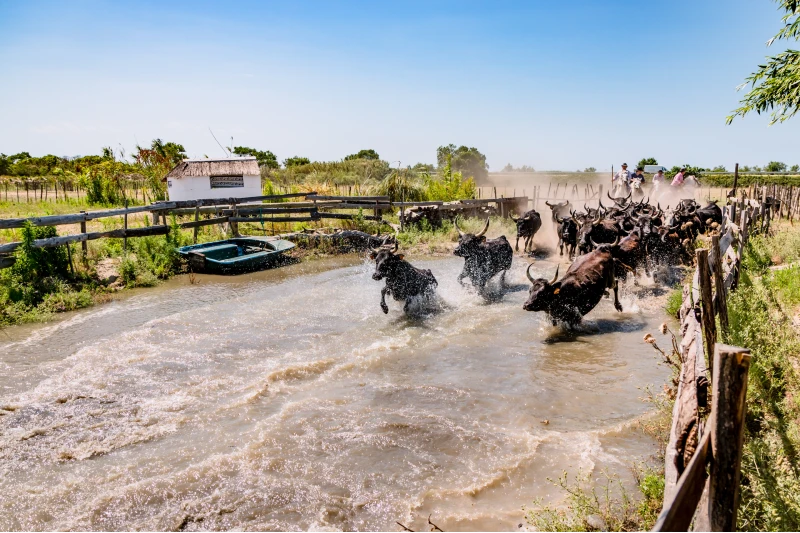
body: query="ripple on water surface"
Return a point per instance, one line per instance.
(288, 400)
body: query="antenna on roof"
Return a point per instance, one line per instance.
(215, 138)
(230, 150)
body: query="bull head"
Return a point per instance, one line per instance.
(461, 234)
(596, 245)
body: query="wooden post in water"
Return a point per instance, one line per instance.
(196, 218)
(709, 325)
(726, 424)
(719, 286)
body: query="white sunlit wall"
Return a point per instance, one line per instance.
(201, 187)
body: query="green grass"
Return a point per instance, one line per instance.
(674, 301)
(603, 503)
(761, 314)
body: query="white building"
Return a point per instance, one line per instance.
(196, 179)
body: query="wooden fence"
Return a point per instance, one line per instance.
(230, 211)
(703, 456)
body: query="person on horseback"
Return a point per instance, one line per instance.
(620, 183)
(636, 182)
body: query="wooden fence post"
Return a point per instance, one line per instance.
(125, 225)
(84, 247)
(709, 325)
(726, 425)
(196, 218)
(719, 286)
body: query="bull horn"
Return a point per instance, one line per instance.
(548, 204)
(396, 246)
(629, 197)
(485, 228)
(616, 242)
(555, 278)
(594, 244)
(455, 223)
(609, 195)
(528, 273)
(511, 216)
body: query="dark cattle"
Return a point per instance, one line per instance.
(527, 226)
(403, 281)
(710, 214)
(483, 258)
(629, 254)
(598, 230)
(621, 201)
(559, 210)
(579, 291)
(567, 235)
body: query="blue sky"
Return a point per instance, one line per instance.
(555, 85)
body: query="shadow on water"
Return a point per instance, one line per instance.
(595, 327)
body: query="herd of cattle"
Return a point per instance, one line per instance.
(609, 242)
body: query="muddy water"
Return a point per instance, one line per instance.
(288, 400)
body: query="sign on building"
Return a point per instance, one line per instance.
(226, 182)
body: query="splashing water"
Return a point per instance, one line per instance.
(287, 400)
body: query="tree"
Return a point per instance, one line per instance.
(795, 168)
(264, 159)
(590, 169)
(174, 153)
(647, 161)
(470, 161)
(775, 166)
(508, 168)
(744, 168)
(108, 152)
(5, 165)
(363, 154)
(775, 86)
(719, 168)
(296, 161)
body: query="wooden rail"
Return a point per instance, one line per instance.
(231, 211)
(703, 456)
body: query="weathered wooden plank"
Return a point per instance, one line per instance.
(227, 201)
(275, 211)
(684, 431)
(76, 218)
(342, 216)
(679, 509)
(275, 220)
(7, 261)
(726, 427)
(721, 296)
(351, 199)
(706, 298)
(345, 205)
(415, 204)
(206, 222)
(148, 231)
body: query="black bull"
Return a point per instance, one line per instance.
(483, 258)
(579, 291)
(527, 226)
(403, 280)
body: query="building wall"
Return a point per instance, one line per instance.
(199, 187)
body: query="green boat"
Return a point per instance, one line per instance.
(235, 256)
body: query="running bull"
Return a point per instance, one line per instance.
(483, 258)
(527, 226)
(403, 281)
(579, 291)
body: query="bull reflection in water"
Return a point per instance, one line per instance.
(404, 282)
